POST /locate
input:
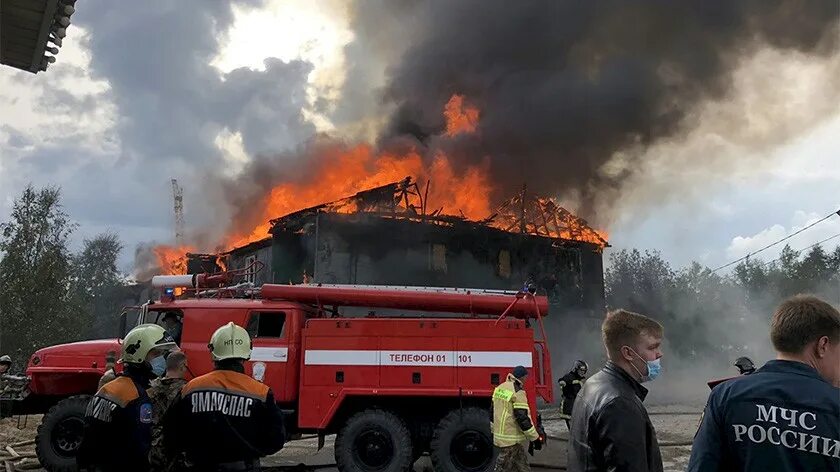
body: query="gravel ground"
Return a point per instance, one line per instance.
(674, 424)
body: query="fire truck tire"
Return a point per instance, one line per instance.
(60, 434)
(374, 440)
(462, 442)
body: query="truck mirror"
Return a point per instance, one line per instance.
(123, 317)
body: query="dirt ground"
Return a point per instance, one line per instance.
(675, 425)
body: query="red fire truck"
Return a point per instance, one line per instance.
(394, 372)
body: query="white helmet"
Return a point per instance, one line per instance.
(142, 339)
(230, 342)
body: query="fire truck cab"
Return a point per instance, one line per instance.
(392, 372)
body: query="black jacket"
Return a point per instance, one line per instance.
(224, 416)
(783, 417)
(570, 385)
(118, 425)
(610, 428)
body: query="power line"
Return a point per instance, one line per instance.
(805, 248)
(779, 241)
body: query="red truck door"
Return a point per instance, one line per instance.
(269, 330)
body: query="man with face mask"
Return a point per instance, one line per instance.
(118, 420)
(785, 416)
(610, 428)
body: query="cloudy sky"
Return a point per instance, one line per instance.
(193, 89)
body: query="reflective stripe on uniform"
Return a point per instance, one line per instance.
(577, 382)
(506, 430)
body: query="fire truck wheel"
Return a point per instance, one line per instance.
(60, 434)
(462, 442)
(374, 440)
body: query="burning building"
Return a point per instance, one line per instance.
(388, 236)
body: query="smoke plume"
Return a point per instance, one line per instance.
(563, 87)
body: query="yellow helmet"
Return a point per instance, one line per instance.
(230, 342)
(142, 339)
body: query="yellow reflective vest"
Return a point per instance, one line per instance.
(506, 429)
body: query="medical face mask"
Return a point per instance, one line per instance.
(158, 365)
(654, 368)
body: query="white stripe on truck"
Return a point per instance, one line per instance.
(419, 358)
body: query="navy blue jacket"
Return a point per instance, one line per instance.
(783, 417)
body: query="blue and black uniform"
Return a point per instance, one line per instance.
(784, 417)
(118, 426)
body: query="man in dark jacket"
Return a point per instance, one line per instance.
(225, 420)
(118, 420)
(786, 415)
(570, 385)
(611, 430)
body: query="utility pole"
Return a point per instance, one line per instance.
(178, 195)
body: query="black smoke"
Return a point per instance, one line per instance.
(565, 85)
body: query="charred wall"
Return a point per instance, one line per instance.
(257, 252)
(369, 249)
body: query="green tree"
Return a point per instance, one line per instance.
(35, 274)
(638, 282)
(97, 284)
(834, 262)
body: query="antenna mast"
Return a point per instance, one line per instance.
(178, 195)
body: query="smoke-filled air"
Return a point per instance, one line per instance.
(569, 97)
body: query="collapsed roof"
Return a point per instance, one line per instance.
(525, 213)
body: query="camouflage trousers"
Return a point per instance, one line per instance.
(512, 459)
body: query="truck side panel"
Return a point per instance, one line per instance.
(410, 357)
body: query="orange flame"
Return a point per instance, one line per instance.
(459, 118)
(339, 173)
(172, 259)
(220, 262)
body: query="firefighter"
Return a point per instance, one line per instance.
(172, 323)
(163, 393)
(5, 364)
(110, 372)
(786, 416)
(745, 365)
(570, 385)
(225, 420)
(512, 423)
(118, 419)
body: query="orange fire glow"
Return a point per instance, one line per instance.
(339, 173)
(460, 118)
(220, 262)
(172, 259)
(344, 173)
